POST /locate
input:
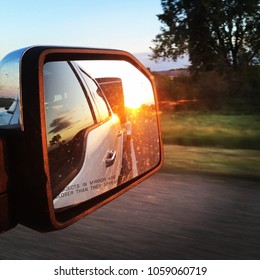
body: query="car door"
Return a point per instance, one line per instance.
(82, 132)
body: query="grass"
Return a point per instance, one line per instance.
(235, 162)
(211, 130)
(212, 144)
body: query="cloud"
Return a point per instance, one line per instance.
(59, 124)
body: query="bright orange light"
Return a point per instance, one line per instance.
(115, 118)
(137, 88)
(134, 100)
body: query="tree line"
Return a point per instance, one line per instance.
(238, 92)
(222, 40)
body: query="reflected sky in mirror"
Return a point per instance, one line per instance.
(65, 103)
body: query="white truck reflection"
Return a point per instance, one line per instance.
(84, 136)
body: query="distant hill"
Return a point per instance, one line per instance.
(174, 73)
(161, 65)
(6, 102)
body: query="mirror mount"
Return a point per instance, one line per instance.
(7, 219)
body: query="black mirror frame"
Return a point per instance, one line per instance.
(30, 185)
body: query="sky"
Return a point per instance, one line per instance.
(130, 25)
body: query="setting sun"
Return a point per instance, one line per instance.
(136, 98)
(137, 88)
(133, 103)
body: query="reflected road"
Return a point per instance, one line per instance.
(166, 217)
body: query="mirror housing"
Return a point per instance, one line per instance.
(27, 151)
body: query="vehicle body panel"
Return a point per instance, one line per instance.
(95, 177)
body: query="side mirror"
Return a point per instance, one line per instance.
(81, 129)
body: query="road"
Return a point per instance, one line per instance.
(166, 217)
(141, 146)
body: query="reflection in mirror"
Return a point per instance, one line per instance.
(101, 127)
(10, 90)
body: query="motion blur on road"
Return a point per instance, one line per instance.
(169, 216)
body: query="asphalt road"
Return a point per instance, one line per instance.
(166, 217)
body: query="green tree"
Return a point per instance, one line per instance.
(56, 139)
(216, 34)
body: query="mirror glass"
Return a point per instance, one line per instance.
(101, 127)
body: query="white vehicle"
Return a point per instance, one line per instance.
(74, 104)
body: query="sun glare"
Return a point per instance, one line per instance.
(133, 104)
(136, 87)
